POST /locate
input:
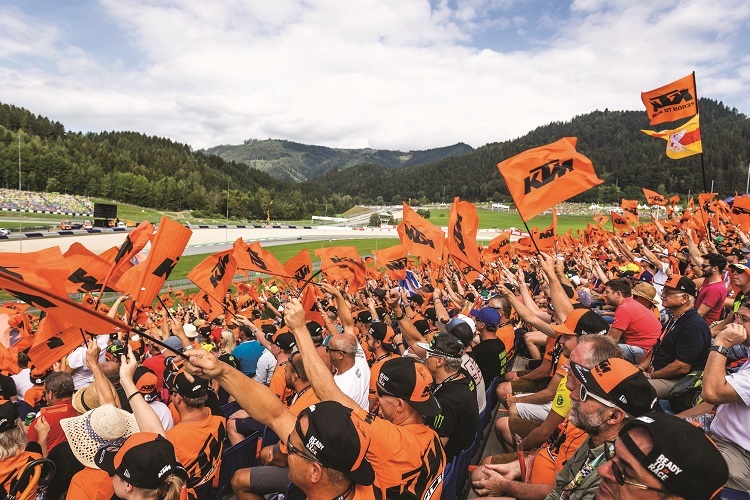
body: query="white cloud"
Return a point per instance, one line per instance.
(397, 74)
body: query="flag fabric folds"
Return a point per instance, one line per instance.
(498, 247)
(253, 257)
(671, 102)
(741, 212)
(299, 267)
(342, 264)
(654, 198)
(214, 274)
(463, 223)
(542, 177)
(420, 237)
(683, 141)
(619, 221)
(630, 210)
(394, 259)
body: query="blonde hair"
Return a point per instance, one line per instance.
(12, 442)
(228, 342)
(169, 490)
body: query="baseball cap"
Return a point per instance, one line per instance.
(444, 345)
(145, 381)
(619, 382)
(486, 315)
(338, 439)
(273, 289)
(187, 389)
(683, 458)
(743, 265)
(462, 318)
(417, 298)
(115, 351)
(314, 328)
(582, 322)
(284, 339)
(364, 316)
(174, 343)
(190, 331)
(144, 460)
(37, 377)
(682, 284)
(382, 332)
(8, 416)
(407, 379)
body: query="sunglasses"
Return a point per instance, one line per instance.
(609, 454)
(585, 394)
(328, 349)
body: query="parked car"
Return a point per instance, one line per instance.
(4, 231)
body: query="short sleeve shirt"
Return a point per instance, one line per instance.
(712, 295)
(459, 414)
(639, 326)
(198, 447)
(687, 339)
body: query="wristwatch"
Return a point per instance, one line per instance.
(724, 351)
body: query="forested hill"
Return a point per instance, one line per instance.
(292, 161)
(148, 171)
(626, 158)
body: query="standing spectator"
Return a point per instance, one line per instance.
(248, 352)
(713, 292)
(352, 374)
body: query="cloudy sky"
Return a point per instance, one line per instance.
(391, 74)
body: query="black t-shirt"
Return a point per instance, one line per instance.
(689, 341)
(490, 356)
(459, 416)
(7, 387)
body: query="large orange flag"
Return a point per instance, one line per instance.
(420, 237)
(619, 221)
(214, 274)
(463, 224)
(498, 247)
(394, 259)
(253, 257)
(45, 268)
(654, 198)
(671, 102)
(87, 270)
(135, 241)
(342, 264)
(542, 177)
(741, 212)
(299, 267)
(144, 281)
(682, 141)
(630, 210)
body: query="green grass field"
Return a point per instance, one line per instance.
(490, 219)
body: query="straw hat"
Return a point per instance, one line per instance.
(94, 429)
(645, 290)
(86, 399)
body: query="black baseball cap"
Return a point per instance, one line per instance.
(407, 379)
(682, 284)
(180, 384)
(338, 439)
(8, 416)
(144, 460)
(444, 345)
(619, 382)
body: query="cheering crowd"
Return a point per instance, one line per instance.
(613, 364)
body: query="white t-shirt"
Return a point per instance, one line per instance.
(82, 376)
(23, 382)
(355, 382)
(265, 367)
(162, 411)
(731, 419)
(471, 366)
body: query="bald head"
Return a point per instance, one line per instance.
(111, 370)
(344, 342)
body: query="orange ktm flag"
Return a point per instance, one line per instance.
(683, 141)
(630, 210)
(463, 224)
(45, 354)
(741, 212)
(309, 295)
(601, 219)
(144, 281)
(214, 274)
(420, 237)
(498, 247)
(299, 267)
(619, 221)
(671, 102)
(253, 257)
(87, 270)
(545, 239)
(394, 259)
(342, 264)
(45, 268)
(654, 198)
(542, 177)
(135, 241)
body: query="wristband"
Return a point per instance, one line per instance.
(133, 395)
(399, 318)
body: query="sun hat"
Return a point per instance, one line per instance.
(337, 438)
(645, 290)
(86, 399)
(143, 460)
(618, 381)
(99, 427)
(582, 322)
(407, 379)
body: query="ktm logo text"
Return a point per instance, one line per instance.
(397, 264)
(458, 235)
(663, 103)
(544, 174)
(417, 236)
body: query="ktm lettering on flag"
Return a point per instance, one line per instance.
(299, 267)
(542, 177)
(214, 274)
(342, 264)
(394, 260)
(463, 224)
(654, 198)
(144, 281)
(683, 141)
(619, 221)
(420, 237)
(87, 270)
(671, 102)
(545, 239)
(601, 219)
(498, 247)
(741, 212)
(630, 210)
(253, 257)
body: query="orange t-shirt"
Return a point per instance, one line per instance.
(560, 446)
(375, 371)
(34, 395)
(408, 459)
(278, 384)
(11, 468)
(508, 335)
(91, 484)
(54, 414)
(198, 447)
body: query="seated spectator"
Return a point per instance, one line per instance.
(58, 389)
(15, 451)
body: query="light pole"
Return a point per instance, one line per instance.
(20, 213)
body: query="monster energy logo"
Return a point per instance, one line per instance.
(438, 421)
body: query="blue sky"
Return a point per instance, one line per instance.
(395, 74)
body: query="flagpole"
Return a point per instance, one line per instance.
(531, 236)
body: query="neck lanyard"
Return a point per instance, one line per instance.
(346, 493)
(577, 480)
(448, 379)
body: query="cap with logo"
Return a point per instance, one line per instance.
(407, 379)
(742, 266)
(364, 316)
(8, 416)
(683, 458)
(179, 383)
(145, 381)
(444, 345)
(382, 332)
(315, 329)
(144, 460)
(338, 439)
(681, 284)
(582, 322)
(37, 376)
(487, 315)
(284, 339)
(619, 382)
